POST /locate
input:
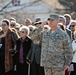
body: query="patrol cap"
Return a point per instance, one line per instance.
(53, 17)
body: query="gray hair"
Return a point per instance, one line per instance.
(73, 21)
(64, 19)
(14, 22)
(25, 28)
(68, 16)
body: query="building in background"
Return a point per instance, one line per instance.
(21, 9)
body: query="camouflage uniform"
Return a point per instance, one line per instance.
(56, 50)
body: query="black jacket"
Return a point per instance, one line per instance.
(26, 47)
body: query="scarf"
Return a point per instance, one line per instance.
(21, 53)
(8, 45)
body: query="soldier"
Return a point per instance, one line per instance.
(56, 48)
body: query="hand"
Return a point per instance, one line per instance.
(12, 51)
(66, 67)
(43, 23)
(28, 61)
(15, 68)
(3, 35)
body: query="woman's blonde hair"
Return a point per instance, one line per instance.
(75, 35)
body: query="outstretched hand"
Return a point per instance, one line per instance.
(43, 23)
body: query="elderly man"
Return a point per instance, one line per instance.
(56, 49)
(73, 28)
(62, 20)
(28, 22)
(68, 20)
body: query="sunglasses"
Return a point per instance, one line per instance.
(72, 25)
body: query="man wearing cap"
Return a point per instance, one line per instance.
(56, 48)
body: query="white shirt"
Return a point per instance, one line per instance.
(68, 26)
(74, 50)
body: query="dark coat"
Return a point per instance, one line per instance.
(69, 32)
(35, 53)
(2, 52)
(26, 47)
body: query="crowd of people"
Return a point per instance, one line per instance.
(38, 48)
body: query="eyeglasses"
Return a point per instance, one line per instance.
(30, 29)
(61, 20)
(12, 24)
(22, 32)
(45, 28)
(3, 24)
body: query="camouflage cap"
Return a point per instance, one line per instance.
(53, 16)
